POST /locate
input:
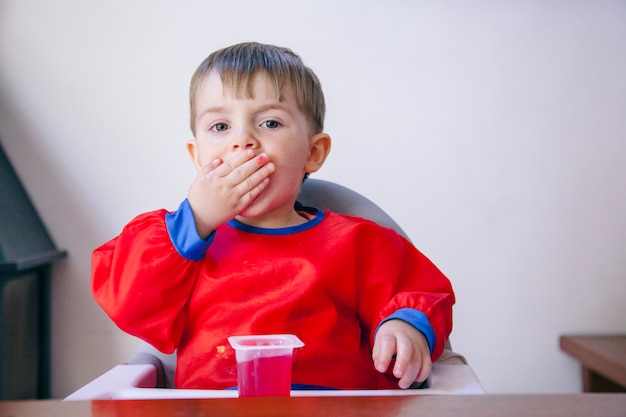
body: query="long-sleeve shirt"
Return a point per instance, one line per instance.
(331, 281)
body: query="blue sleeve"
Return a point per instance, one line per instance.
(181, 227)
(416, 319)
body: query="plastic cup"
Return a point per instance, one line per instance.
(264, 364)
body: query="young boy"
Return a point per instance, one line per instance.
(240, 257)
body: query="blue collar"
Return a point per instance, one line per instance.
(319, 216)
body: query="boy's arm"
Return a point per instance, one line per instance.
(143, 278)
(142, 281)
(403, 284)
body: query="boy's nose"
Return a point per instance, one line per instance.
(244, 139)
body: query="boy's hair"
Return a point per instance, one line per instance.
(238, 64)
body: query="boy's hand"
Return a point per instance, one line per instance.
(410, 346)
(223, 189)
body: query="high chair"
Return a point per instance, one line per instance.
(150, 373)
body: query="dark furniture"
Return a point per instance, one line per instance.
(26, 254)
(602, 359)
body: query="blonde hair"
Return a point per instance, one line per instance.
(238, 64)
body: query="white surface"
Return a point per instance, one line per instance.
(117, 384)
(121, 377)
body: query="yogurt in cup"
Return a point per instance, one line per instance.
(264, 364)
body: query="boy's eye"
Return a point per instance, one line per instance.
(271, 124)
(219, 127)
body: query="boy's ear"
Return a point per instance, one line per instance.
(319, 147)
(192, 148)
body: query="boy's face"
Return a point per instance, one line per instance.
(228, 123)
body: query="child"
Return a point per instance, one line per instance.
(239, 256)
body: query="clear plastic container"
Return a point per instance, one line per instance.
(264, 364)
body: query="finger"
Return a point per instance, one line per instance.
(253, 185)
(383, 351)
(207, 169)
(425, 369)
(236, 161)
(418, 370)
(244, 173)
(254, 170)
(404, 356)
(410, 375)
(254, 193)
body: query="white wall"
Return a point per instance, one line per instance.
(494, 132)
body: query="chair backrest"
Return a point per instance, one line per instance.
(328, 195)
(314, 193)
